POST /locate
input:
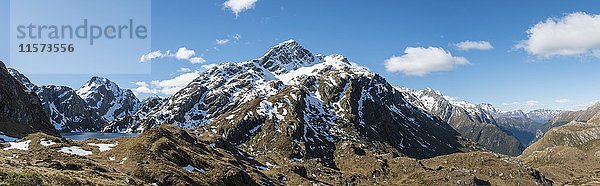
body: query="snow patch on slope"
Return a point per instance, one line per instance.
(75, 150)
(24, 145)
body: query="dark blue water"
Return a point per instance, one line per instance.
(98, 135)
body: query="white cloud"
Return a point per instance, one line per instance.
(237, 36)
(143, 88)
(184, 54)
(222, 41)
(563, 101)
(238, 6)
(419, 61)
(576, 34)
(150, 56)
(196, 60)
(170, 86)
(181, 54)
(509, 104)
(532, 103)
(586, 105)
(229, 39)
(166, 87)
(474, 45)
(184, 70)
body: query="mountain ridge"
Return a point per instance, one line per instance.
(305, 98)
(21, 112)
(87, 109)
(473, 121)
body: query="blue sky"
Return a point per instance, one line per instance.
(371, 32)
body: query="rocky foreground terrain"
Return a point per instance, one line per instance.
(167, 155)
(568, 154)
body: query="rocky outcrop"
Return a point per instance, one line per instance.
(132, 123)
(66, 110)
(285, 57)
(104, 102)
(21, 112)
(108, 99)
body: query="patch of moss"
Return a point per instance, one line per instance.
(19, 178)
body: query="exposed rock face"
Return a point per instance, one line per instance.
(23, 79)
(131, 123)
(305, 106)
(285, 57)
(20, 110)
(229, 85)
(67, 111)
(219, 89)
(107, 99)
(475, 122)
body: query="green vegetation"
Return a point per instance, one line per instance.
(19, 178)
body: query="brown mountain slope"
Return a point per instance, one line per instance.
(161, 155)
(569, 154)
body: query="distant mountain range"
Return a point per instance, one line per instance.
(569, 116)
(98, 102)
(502, 132)
(524, 126)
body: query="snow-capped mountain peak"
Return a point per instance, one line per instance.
(542, 115)
(474, 121)
(292, 96)
(96, 83)
(108, 98)
(22, 79)
(329, 63)
(337, 57)
(286, 56)
(488, 107)
(513, 114)
(539, 115)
